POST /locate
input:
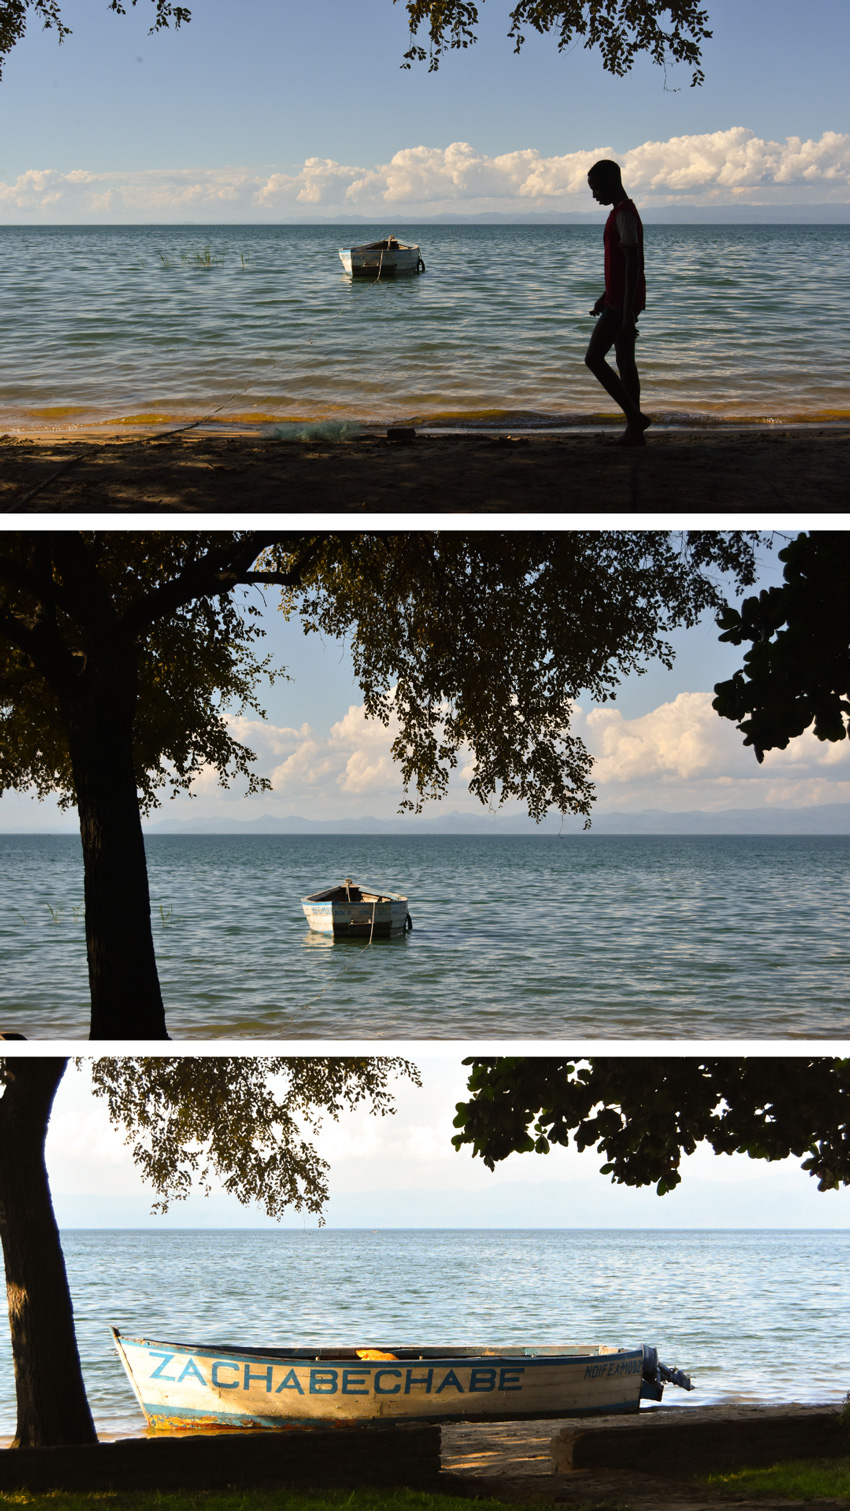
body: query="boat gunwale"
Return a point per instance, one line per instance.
(382, 246)
(551, 1354)
(375, 895)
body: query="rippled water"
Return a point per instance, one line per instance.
(120, 322)
(751, 1315)
(517, 937)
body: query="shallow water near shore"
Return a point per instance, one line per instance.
(606, 936)
(751, 1315)
(153, 325)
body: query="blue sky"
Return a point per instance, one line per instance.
(217, 121)
(659, 745)
(403, 1172)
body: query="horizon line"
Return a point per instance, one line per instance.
(441, 1228)
(484, 217)
(455, 833)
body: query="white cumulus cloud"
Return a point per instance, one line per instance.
(718, 167)
(680, 755)
(352, 759)
(679, 740)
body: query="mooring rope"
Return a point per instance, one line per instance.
(345, 968)
(95, 447)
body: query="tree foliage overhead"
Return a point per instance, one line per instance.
(482, 642)
(643, 1115)
(239, 1120)
(14, 15)
(667, 31)
(477, 640)
(158, 609)
(797, 673)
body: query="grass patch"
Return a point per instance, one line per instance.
(245, 1500)
(205, 258)
(802, 1479)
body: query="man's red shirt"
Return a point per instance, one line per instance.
(615, 258)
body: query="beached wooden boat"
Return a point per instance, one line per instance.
(381, 259)
(351, 911)
(182, 1385)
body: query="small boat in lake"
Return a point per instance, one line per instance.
(181, 1385)
(381, 259)
(350, 911)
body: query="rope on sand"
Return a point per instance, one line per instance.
(86, 456)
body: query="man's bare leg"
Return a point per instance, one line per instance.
(625, 388)
(624, 347)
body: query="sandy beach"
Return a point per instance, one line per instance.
(786, 467)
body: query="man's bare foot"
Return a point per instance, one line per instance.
(633, 433)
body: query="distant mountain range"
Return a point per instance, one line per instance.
(830, 818)
(670, 215)
(827, 818)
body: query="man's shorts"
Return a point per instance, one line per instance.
(610, 322)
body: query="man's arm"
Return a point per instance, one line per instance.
(632, 275)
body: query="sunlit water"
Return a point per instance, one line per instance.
(752, 1316)
(517, 937)
(130, 323)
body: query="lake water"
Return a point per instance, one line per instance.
(689, 937)
(125, 323)
(752, 1316)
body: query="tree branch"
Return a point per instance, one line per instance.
(216, 573)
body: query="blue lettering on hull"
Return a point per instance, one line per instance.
(613, 1370)
(443, 1381)
(357, 1380)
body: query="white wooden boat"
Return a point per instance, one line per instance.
(352, 911)
(181, 1385)
(381, 259)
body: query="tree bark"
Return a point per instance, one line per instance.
(126, 1001)
(52, 1403)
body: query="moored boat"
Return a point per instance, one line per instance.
(181, 1385)
(382, 259)
(352, 911)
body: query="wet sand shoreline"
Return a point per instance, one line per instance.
(190, 471)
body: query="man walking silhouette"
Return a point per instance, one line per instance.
(624, 299)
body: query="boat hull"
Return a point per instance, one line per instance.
(187, 1385)
(355, 920)
(361, 262)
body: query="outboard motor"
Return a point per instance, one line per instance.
(655, 1375)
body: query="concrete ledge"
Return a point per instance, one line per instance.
(403, 1454)
(683, 1441)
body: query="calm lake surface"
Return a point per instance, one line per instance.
(752, 1316)
(106, 323)
(517, 937)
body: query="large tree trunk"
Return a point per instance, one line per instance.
(52, 1404)
(126, 1002)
